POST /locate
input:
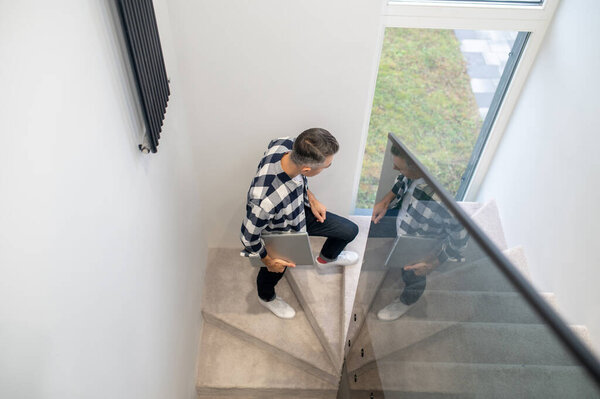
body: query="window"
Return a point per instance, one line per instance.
(450, 73)
(435, 88)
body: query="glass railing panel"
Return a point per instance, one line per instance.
(436, 316)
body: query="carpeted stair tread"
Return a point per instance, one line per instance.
(517, 257)
(470, 207)
(475, 306)
(481, 275)
(231, 302)
(372, 275)
(487, 219)
(379, 339)
(248, 393)
(375, 394)
(321, 297)
(352, 273)
(321, 293)
(436, 341)
(478, 380)
(228, 362)
(494, 343)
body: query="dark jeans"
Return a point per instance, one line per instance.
(339, 232)
(414, 285)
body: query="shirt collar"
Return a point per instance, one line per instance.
(284, 177)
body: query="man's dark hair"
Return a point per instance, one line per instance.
(313, 146)
(397, 152)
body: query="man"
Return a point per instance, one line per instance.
(412, 208)
(279, 200)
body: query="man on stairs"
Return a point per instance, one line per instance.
(412, 208)
(279, 200)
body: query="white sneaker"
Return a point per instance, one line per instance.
(279, 308)
(345, 258)
(393, 311)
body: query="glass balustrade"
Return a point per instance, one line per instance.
(444, 310)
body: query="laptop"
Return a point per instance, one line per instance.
(292, 247)
(408, 250)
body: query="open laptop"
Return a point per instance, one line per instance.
(293, 247)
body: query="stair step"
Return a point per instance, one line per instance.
(470, 207)
(374, 394)
(427, 341)
(474, 274)
(477, 380)
(229, 393)
(517, 257)
(481, 275)
(322, 293)
(231, 302)
(534, 343)
(322, 300)
(488, 220)
(231, 366)
(371, 276)
(380, 285)
(352, 273)
(474, 306)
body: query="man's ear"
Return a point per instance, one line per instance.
(305, 169)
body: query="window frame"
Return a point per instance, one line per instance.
(531, 18)
(505, 2)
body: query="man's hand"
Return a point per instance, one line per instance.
(381, 207)
(423, 268)
(379, 210)
(276, 265)
(317, 208)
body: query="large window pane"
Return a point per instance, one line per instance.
(434, 90)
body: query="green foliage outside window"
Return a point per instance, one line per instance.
(423, 96)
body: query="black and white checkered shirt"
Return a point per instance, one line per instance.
(427, 216)
(275, 201)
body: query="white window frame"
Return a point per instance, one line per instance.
(473, 16)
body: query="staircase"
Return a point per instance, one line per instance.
(470, 335)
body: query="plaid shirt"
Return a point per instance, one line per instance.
(426, 216)
(275, 201)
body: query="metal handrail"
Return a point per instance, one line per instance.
(541, 307)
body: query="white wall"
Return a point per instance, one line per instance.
(546, 172)
(261, 69)
(101, 247)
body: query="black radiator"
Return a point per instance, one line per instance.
(141, 34)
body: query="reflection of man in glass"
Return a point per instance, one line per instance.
(412, 208)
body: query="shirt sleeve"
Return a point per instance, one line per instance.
(398, 189)
(399, 186)
(456, 241)
(254, 223)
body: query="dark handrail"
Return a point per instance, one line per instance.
(555, 322)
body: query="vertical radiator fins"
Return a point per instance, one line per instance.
(141, 34)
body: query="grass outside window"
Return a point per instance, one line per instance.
(423, 95)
